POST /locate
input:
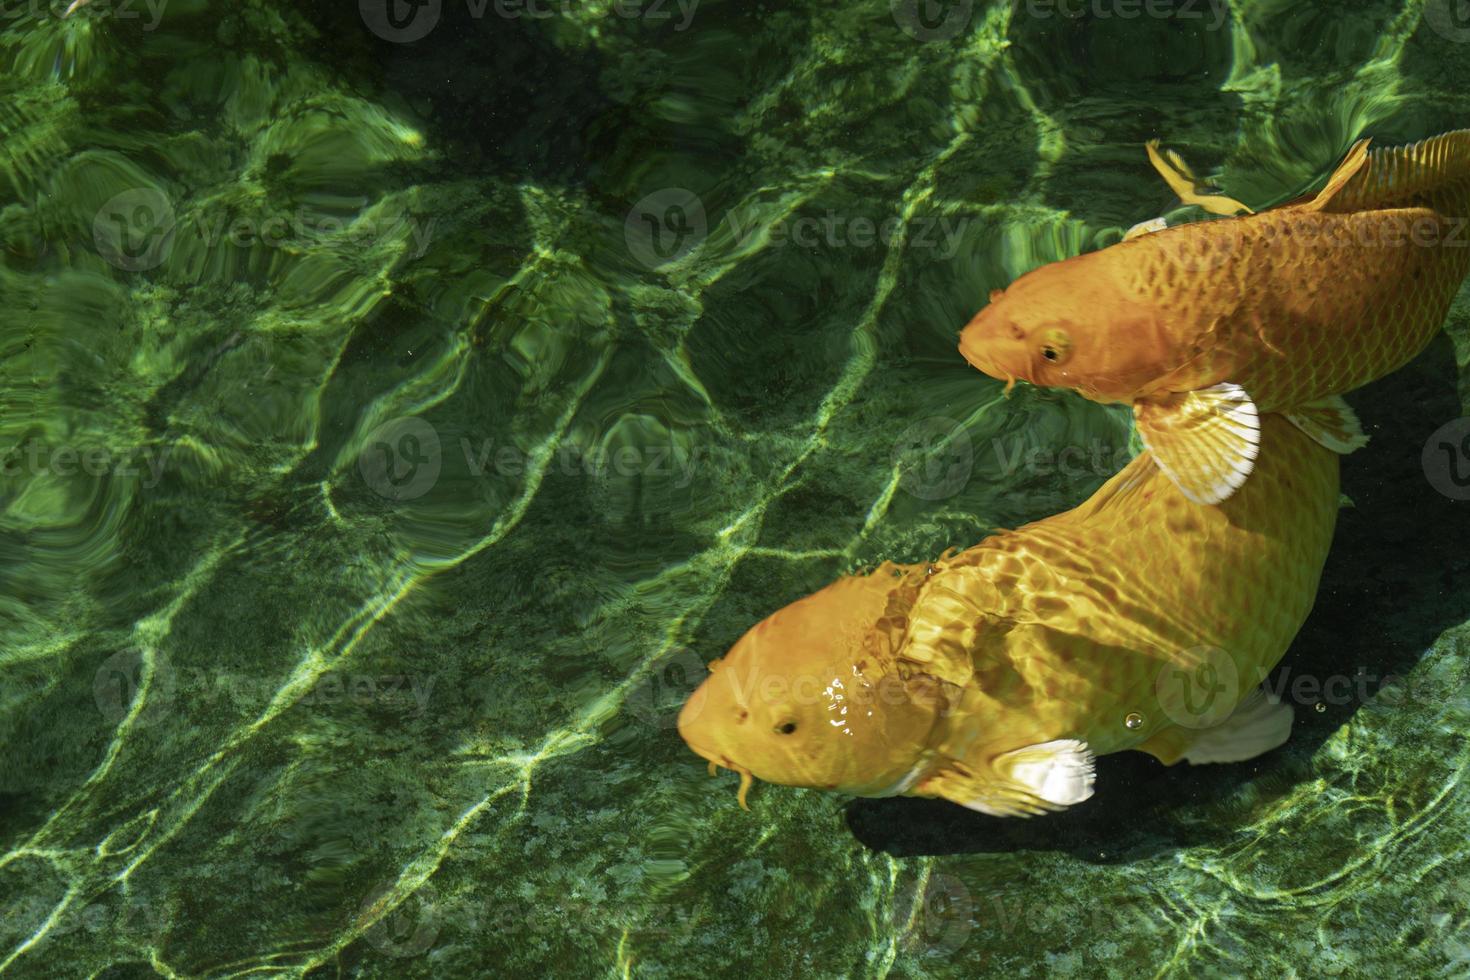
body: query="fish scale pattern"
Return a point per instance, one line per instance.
(1079, 615)
(1298, 305)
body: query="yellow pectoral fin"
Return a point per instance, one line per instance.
(1022, 783)
(1182, 182)
(1205, 441)
(1330, 423)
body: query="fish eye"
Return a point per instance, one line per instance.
(786, 728)
(1056, 345)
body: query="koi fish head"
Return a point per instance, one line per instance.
(809, 697)
(1067, 325)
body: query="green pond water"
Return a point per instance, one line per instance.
(401, 404)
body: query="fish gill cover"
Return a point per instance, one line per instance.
(401, 403)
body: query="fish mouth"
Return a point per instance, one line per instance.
(718, 761)
(974, 357)
(985, 366)
(746, 779)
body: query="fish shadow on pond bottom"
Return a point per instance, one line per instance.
(1397, 576)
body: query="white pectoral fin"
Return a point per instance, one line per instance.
(1058, 772)
(1206, 441)
(1022, 783)
(1330, 423)
(1258, 724)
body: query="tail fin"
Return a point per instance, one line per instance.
(1430, 173)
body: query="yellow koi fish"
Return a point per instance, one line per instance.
(993, 678)
(1207, 326)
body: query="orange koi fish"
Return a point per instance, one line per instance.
(1207, 326)
(993, 678)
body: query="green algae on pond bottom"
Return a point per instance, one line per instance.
(257, 245)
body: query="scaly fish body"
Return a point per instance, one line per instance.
(1294, 306)
(1139, 620)
(1204, 327)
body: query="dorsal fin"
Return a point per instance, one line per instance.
(1434, 172)
(1351, 166)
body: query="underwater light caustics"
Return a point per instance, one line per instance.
(994, 677)
(1208, 326)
